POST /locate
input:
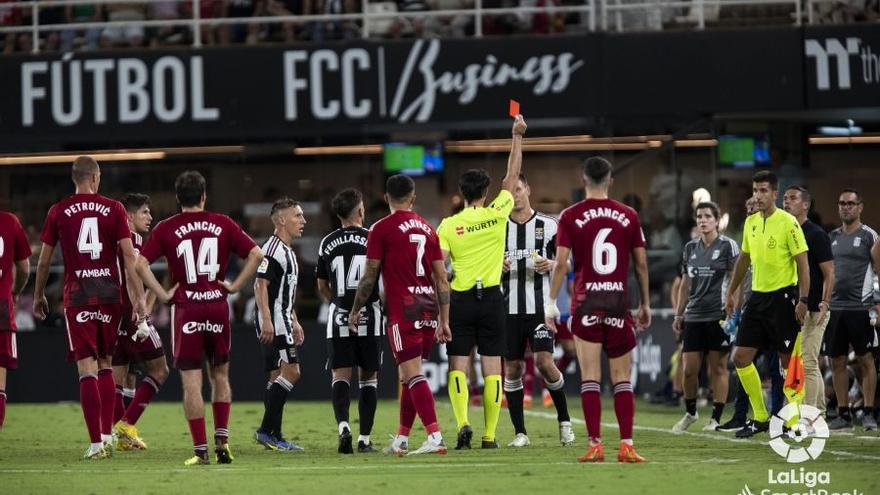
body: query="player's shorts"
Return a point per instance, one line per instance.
(132, 351)
(525, 331)
(703, 336)
(280, 351)
(615, 333)
(850, 328)
(769, 321)
(563, 329)
(409, 342)
(365, 352)
(477, 322)
(8, 350)
(200, 329)
(91, 330)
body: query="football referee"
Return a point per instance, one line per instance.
(774, 244)
(474, 239)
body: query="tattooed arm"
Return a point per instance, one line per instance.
(364, 290)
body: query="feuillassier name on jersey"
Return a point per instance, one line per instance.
(207, 295)
(346, 239)
(594, 213)
(421, 289)
(605, 286)
(87, 206)
(93, 273)
(196, 226)
(414, 224)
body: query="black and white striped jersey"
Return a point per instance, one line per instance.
(524, 288)
(342, 256)
(280, 268)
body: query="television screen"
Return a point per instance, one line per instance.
(413, 159)
(743, 151)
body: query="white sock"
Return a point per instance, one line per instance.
(106, 438)
(364, 438)
(96, 446)
(343, 425)
(628, 441)
(436, 437)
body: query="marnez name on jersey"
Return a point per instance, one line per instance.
(194, 226)
(87, 206)
(611, 213)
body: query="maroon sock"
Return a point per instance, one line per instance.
(145, 392)
(563, 362)
(407, 411)
(119, 409)
(197, 431)
(107, 388)
(625, 408)
(2, 406)
(90, 400)
(221, 420)
(591, 403)
(423, 400)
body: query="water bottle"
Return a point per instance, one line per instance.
(730, 325)
(873, 317)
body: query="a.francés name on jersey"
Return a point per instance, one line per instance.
(196, 226)
(414, 223)
(611, 213)
(93, 273)
(605, 286)
(87, 206)
(345, 239)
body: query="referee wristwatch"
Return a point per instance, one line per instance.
(803, 299)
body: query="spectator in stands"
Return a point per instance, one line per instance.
(208, 9)
(540, 22)
(9, 16)
(452, 26)
(131, 35)
(165, 35)
(288, 8)
(88, 12)
(407, 27)
(50, 41)
(335, 30)
(236, 33)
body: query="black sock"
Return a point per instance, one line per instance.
(868, 410)
(843, 412)
(515, 395)
(690, 406)
(717, 410)
(561, 404)
(266, 395)
(271, 423)
(341, 400)
(367, 406)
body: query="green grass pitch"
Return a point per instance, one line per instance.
(41, 446)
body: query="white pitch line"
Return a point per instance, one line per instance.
(839, 453)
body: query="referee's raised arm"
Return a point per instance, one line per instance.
(514, 161)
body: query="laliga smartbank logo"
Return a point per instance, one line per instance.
(811, 419)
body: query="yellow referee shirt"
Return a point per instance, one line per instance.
(772, 243)
(475, 240)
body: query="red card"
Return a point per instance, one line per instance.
(514, 108)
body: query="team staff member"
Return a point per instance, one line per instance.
(474, 239)
(773, 243)
(853, 245)
(14, 262)
(797, 201)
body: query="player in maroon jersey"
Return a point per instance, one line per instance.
(14, 262)
(134, 347)
(407, 251)
(91, 230)
(197, 244)
(601, 235)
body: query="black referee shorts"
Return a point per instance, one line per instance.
(477, 322)
(346, 352)
(850, 328)
(703, 336)
(523, 331)
(769, 321)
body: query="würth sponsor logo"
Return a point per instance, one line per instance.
(207, 295)
(93, 273)
(84, 316)
(202, 326)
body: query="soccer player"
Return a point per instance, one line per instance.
(774, 245)
(15, 268)
(531, 238)
(278, 327)
(474, 240)
(341, 259)
(92, 230)
(797, 201)
(406, 250)
(851, 300)
(132, 348)
(196, 245)
(601, 235)
(706, 265)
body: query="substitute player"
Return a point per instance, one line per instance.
(706, 266)
(853, 297)
(132, 348)
(774, 245)
(406, 250)
(531, 245)
(278, 327)
(341, 259)
(92, 229)
(196, 245)
(601, 235)
(474, 240)
(15, 267)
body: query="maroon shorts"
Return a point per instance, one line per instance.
(408, 342)
(91, 330)
(563, 330)
(131, 351)
(200, 329)
(615, 333)
(8, 351)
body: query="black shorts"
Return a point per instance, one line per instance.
(282, 350)
(850, 328)
(769, 321)
(477, 322)
(526, 330)
(346, 352)
(702, 336)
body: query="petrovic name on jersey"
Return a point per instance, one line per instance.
(611, 213)
(87, 206)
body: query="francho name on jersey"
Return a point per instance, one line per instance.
(204, 226)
